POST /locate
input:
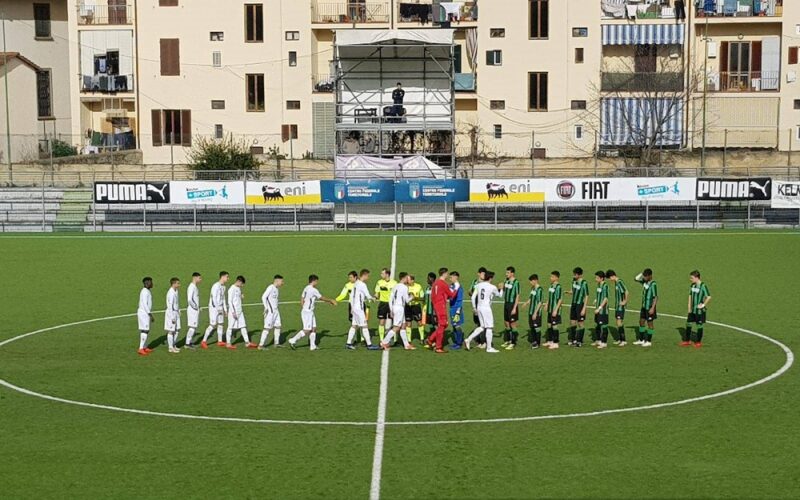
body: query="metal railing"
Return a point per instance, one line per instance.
(323, 83)
(739, 8)
(641, 82)
(104, 14)
(107, 84)
(744, 81)
(350, 12)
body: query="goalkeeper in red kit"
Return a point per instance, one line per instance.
(441, 293)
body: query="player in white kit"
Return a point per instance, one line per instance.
(308, 301)
(192, 309)
(217, 309)
(482, 297)
(236, 319)
(172, 315)
(272, 315)
(358, 302)
(398, 300)
(144, 315)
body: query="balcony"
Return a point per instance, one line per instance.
(104, 14)
(423, 14)
(324, 84)
(107, 84)
(465, 82)
(637, 9)
(744, 81)
(350, 13)
(641, 82)
(735, 10)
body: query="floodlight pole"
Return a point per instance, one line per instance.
(8, 111)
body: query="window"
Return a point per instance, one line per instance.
(292, 58)
(218, 131)
(217, 104)
(256, 150)
(797, 104)
(498, 131)
(580, 32)
(494, 57)
(41, 20)
(44, 94)
(255, 92)
(793, 55)
(578, 55)
(578, 132)
(171, 127)
(254, 22)
(537, 91)
(497, 33)
(170, 57)
(216, 59)
(167, 3)
(538, 19)
(646, 58)
(577, 105)
(217, 36)
(497, 104)
(288, 132)
(292, 104)
(292, 35)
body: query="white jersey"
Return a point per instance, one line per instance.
(193, 297)
(145, 302)
(483, 294)
(217, 300)
(310, 297)
(235, 300)
(359, 296)
(270, 299)
(172, 314)
(399, 296)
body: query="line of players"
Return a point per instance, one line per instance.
(402, 303)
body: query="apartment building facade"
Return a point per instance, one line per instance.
(540, 78)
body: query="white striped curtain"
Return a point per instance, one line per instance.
(641, 121)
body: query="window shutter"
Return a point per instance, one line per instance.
(755, 64)
(723, 57)
(186, 127)
(285, 133)
(170, 57)
(489, 58)
(167, 3)
(793, 55)
(543, 91)
(155, 118)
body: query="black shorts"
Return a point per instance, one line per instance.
(601, 319)
(413, 313)
(619, 313)
(699, 318)
(553, 321)
(507, 316)
(476, 319)
(383, 310)
(645, 315)
(575, 313)
(535, 323)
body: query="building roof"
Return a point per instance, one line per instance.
(16, 55)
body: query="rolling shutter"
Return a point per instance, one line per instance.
(155, 118)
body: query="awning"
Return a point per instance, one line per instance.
(641, 122)
(375, 37)
(641, 34)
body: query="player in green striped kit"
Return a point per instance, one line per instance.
(622, 295)
(510, 308)
(699, 297)
(648, 314)
(577, 311)
(601, 311)
(428, 314)
(536, 306)
(553, 310)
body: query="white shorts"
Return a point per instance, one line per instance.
(144, 321)
(170, 326)
(359, 318)
(192, 317)
(236, 322)
(216, 316)
(272, 320)
(309, 320)
(486, 318)
(398, 316)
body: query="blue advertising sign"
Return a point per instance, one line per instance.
(374, 191)
(431, 191)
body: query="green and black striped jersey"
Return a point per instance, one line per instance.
(649, 293)
(510, 290)
(620, 290)
(553, 296)
(472, 286)
(536, 298)
(602, 294)
(428, 301)
(580, 290)
(698, 294)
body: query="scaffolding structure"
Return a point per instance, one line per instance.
(369, 65)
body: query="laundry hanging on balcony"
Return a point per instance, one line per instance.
(641, 122)
(643, 34)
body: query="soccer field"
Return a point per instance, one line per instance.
(81, 415)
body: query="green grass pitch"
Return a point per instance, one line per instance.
(743, 445)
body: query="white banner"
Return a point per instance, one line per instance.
(628, 189)
(785, 194)
(283, 193)
(206, 192)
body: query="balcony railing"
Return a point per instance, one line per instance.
(465, 82)
(641, 82)
(349, 13)
(107, 84)
(100, 14)
(323, 83)
(744, 81)
(740, 8)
